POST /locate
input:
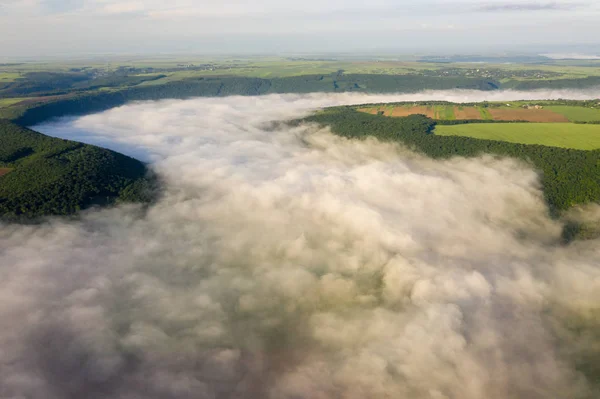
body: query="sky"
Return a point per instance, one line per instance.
(30, 28)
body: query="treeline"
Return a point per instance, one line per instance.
(467, 121)
(51, 176)
(569, 176)
(576, 84)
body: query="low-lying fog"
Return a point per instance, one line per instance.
(290, 263)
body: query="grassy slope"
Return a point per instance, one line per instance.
(448, 113)
(51, 176)
(485, 114)
(565, 135)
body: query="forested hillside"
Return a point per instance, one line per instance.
(55, 83)
(569, 177)
(73, 96)
(41, 175)
(224, 86)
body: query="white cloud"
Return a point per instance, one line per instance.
(285, 262)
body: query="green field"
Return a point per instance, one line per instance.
(447, 113)
(566, 135)
(485, 114)
(577, 114)
(269, 67)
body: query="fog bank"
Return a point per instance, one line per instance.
(290, 263)
(274, 107)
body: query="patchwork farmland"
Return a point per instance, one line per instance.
(550, 124)
(508, 112)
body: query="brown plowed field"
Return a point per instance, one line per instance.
(4, 171)
(529, 115)
(406, 111)
(372, 111)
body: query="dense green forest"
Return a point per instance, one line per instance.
(77, 81)
(42, 175)
(56, 83)
(80, 94)
(569, 177)
(214, 87)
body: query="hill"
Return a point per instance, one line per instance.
(41, 175)
(31, 112)
(33, 91)
(569, 176)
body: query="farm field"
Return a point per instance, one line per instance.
(554, 114)
(270, 67)
(577, 114)
(432, 111)
(566, 135)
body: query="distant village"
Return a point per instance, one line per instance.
(491, 73)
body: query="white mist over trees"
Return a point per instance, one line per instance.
(285, 262)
